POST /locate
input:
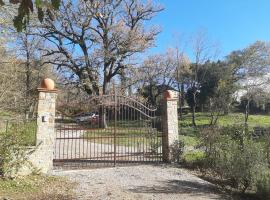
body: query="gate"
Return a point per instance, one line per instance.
(116, 130)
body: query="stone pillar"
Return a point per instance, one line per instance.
(45, 136)
(170, 124)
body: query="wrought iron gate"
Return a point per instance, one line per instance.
(116, 130)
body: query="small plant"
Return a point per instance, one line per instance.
(177, 149)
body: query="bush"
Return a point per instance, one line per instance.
(13, 147)
(177, 150)
(232, 154)
(263, 187)
(242, 166)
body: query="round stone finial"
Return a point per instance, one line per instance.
(47, 84)
(170, 95)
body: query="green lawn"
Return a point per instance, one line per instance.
(232, 118)
(190, 135)
(131, 136)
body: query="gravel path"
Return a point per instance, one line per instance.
(140, 182)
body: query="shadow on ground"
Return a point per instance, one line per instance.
(182, 187)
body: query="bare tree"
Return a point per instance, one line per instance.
(93, 40)
(203, 50)
(156, 74)
(20, 52)
(182, 77)
(9, 91)
(32, 67)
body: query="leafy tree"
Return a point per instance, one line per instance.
(248, 67)
(26, 7)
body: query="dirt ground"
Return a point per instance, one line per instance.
(140, 182)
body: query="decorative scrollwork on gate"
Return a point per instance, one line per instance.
(131, 102)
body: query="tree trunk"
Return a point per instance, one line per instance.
(211, 112)
(246, 120)
(226, 109)
(102, 119)
(102, 108)
(180, 108)
(247, 112)
(194, 110)
(181, 100)
(27, 81)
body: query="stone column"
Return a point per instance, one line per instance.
(45, 136)
(170, 124)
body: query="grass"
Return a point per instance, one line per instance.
(36, 187)
(195, 156)
(131, 123)
(5, 114)
(190, 135)
(131, 136)
(189, 140)
(203, 119)
(25, 132)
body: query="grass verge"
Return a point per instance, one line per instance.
(36, 187)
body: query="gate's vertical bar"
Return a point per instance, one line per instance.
(115, 116)
(127, 120)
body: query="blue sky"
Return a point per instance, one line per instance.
(234, 24)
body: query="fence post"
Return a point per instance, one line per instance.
(170, 124)
(45, 135)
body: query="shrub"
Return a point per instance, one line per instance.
(177, 150)
(232, 154)
(263, 187)
(243, 165)
(13, 147)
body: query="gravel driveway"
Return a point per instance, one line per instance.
(140, 182)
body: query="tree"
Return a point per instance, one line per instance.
(20, 53)
(249, 67)
(156, 75)
(216, 89)
(32, 67)
(94, 40)
(19, 82)
(203, 50)
(26, 7)
(181, 76)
